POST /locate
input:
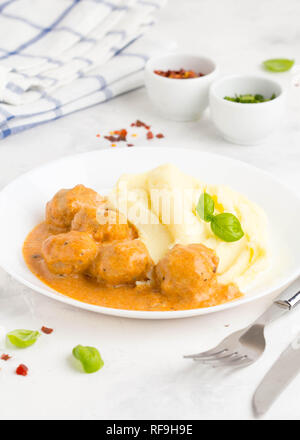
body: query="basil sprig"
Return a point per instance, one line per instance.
(89, 357)
(278, 64)
(226, 226)
(23, 338)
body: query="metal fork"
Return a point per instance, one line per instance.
(246, 346)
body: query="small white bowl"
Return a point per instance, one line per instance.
(180, 99)
(246, 124)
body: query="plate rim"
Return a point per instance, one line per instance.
(54, 295)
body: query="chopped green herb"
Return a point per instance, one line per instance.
(23, 338)
(249, 99)
(278, 64)
(259, 97)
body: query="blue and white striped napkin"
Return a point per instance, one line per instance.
(60, 56)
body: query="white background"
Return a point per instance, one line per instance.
(144, 374)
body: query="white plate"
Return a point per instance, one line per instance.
(22, 205)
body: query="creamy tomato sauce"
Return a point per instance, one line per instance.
(84, 289)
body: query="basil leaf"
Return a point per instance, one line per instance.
(227, 227)
(89, 357)
(23, 338)
(278, 64)
(205, 207)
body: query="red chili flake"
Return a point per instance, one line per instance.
(117, 136)
(130, 145)
(47, 330)
(22, 370)
(112, 138)
(98, 135)
(160, 136)
(139, 123)
(150, 135)
(5, 357)
(122, 134)
(179, 74)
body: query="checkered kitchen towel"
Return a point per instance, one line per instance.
(59, 56)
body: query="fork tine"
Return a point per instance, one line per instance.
(216, 358)
(242, 362)
(233, 362)
(205, 354)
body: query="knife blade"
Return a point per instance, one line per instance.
(280, 375)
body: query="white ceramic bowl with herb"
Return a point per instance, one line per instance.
(180, 99)
(246, 123)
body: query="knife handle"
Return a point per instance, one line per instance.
(282, 304)
(290, 303)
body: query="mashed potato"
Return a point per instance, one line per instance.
(162, 204)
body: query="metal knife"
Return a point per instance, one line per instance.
(281, 374)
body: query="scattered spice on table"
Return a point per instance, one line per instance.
(22, 370)
(98, 135)
(139, 123)
(111, 138)
(47, 330)
(5, 357)
(117, 136)
(121, 135)
(179, 74)
(150, 134)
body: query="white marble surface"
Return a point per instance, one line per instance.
(144, 374)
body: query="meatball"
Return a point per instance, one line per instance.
(66, 203)
(121, 262)
(69, 253)
(103, 224)
(187, 272)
